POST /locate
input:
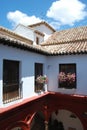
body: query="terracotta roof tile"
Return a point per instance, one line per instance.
(9, 41)
(71, 41)
(68, 35)
(67, 48)
(12, 35)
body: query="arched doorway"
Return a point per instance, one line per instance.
(64, 120)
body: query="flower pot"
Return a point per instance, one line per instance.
(67, 85)
(45, 87)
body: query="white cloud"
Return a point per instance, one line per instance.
(67, 12)
(17, 17)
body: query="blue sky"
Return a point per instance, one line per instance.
(61, 14)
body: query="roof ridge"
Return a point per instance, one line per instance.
(64, 42)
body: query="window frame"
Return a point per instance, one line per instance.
(37, 40)
(66, 67)
(38, 70)
(11, 84)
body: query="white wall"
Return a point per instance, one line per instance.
(28, 33)
(44, 29)
(27, 60)
(81, 72)
(41, 38)
(25, 32)
(51, 69)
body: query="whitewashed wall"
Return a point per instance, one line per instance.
(41, 38)
(81, 72)
(25, 31)
(27, 60)
(29, 33)
(51, 69)
(44, 29)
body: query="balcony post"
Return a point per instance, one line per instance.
(46, 125)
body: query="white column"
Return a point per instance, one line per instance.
(46, 125)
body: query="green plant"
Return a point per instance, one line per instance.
(41, 79)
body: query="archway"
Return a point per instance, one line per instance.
(66, 120)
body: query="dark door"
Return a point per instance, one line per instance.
(10, 79)
(38, 72)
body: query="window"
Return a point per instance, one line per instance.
(10, 80)
(38, 72)
(67, 76)
(37, 40)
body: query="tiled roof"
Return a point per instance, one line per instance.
(12, 35)
(9, 41)
(71, 41)
(79, 47)
(67, 36)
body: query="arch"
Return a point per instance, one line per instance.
(29, 118)
(68, 118)
(67, 104)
